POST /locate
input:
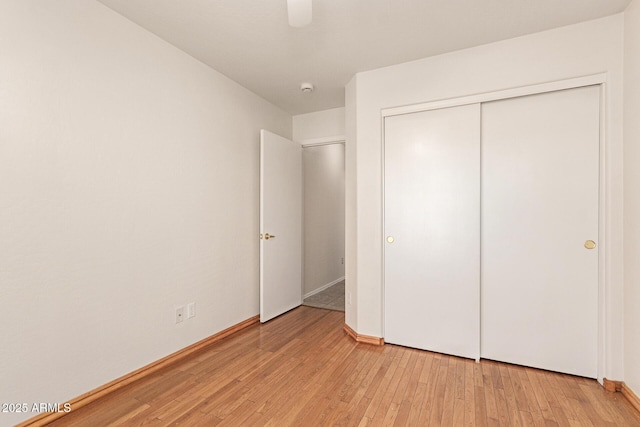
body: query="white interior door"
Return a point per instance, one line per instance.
(432, 230)
(540, 168)
(280, 225)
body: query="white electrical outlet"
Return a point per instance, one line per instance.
(349, 297)
(191, 310)
(342, 261)
(179, 314)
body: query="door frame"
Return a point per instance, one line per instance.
(590, 80)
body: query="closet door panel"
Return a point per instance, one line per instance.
(432, 230)
(540, 177)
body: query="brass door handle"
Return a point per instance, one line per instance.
(268, 236)
(589, 244)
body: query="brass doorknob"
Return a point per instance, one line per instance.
(268, 236)
(589, 244)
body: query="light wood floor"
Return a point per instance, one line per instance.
(301, 369)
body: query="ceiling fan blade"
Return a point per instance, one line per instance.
(299, 12)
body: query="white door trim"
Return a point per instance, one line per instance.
(589, 80)
(314, 142)
(594, 79)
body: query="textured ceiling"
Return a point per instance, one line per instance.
(251, 42)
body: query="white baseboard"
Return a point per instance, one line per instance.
(322, 288)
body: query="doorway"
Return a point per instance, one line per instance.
(323, 219)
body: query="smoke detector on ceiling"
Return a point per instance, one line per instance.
(306, 87)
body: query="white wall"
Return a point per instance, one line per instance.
(321, 124)
(578, 50)
(351, 204)
(323, 196)
(632, 196)
(129, 185)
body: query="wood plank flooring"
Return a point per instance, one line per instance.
(301, 369)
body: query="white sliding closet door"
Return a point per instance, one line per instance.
(432, 230)
(540, 167)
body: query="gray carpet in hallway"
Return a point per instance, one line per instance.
(331, 298)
